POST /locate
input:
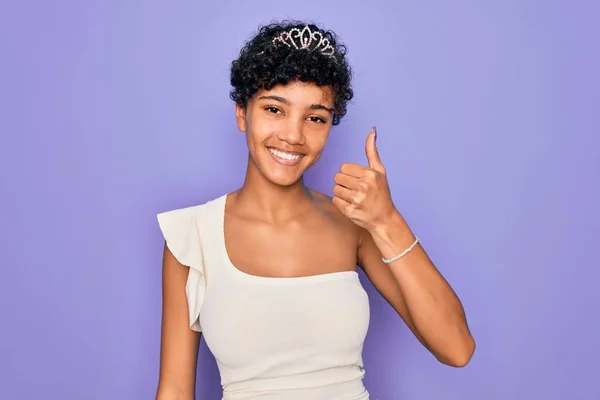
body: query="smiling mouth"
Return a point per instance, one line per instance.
(284, 157)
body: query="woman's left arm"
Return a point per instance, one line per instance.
(420, 294)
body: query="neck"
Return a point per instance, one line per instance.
(270, 201)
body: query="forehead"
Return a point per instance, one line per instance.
(301, 93)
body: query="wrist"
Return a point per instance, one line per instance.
(393, 236)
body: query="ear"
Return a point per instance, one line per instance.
(240, 116)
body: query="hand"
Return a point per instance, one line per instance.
(362, 193)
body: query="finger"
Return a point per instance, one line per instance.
(343, 193)
(347, 181)
(341, 204)
(372, 153)
(354, 170)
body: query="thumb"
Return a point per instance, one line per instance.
(372, 153)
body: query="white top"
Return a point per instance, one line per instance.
(292, 338)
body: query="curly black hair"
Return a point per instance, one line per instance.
(263, 64)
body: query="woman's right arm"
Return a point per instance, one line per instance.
(179, 343)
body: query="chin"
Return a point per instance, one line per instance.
(283, 181)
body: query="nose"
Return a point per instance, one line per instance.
(292, 132)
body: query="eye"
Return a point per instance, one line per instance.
(272, 109)
(317, 119)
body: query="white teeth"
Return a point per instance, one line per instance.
(285, 156)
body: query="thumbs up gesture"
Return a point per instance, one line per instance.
(362, 193)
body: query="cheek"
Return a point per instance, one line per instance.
(260, 129)
(321, 139)
(256, 134)
(317, 144)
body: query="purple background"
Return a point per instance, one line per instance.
(488, 121)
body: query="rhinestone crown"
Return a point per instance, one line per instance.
(306, 39)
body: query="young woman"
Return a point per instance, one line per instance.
(268, 272)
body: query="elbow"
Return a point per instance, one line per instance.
(462, 354)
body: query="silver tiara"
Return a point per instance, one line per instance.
(305, 39)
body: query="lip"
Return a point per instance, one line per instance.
(283, 161)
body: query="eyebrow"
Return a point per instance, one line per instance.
(285, 101)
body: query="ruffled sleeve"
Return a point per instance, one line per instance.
(181, 230)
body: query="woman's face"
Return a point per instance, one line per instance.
(286, 129)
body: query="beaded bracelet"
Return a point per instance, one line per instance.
(390, 260)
